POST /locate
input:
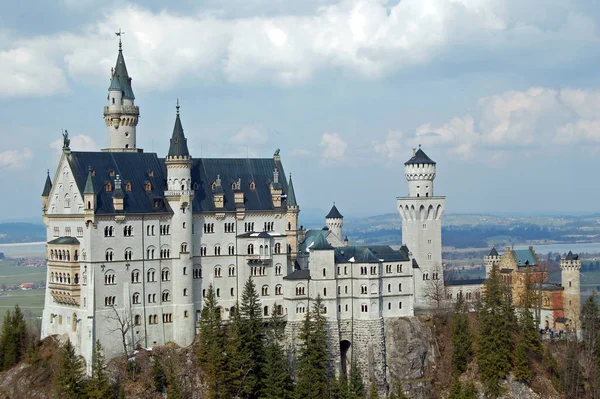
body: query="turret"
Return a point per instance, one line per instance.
(121, 114)
(420, 173)
(334, 222)
(89, 198)
(490, 260)
(292, 220)
(46, 192)
(180, 195)
(570, 267)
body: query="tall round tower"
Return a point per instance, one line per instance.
(570, 267)
(179, 193)
(420, 172)
(121, 114)
(335, 222)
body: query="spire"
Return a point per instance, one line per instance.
(47, 186)
(493, 252)
(178, 147)
(118, 191)
(291, 195)
(89, 184)
(334, 213)
(120, 74)
(419, 157)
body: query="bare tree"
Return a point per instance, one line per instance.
(435, 289)
(121, 321)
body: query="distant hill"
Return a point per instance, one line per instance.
(21, 232)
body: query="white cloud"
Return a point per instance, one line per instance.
(369, 38)
(334, 147)
(80, 142)
(524, 121)
(300, 152)
(250, 136)
(392, 147)
(15, 159)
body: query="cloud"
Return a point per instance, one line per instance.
(391, 148)
(80, 142)
(366, 38)
(300, 152)
(15, 159)
(519, 121)
(334, 147)
(250, 136)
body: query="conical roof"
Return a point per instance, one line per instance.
(121, 75)
(291, 195)
(571, 256)
(493, 252)
(89, 184)
(419, 157)
(334, 213)
(321, 244)
(47, 186)
(114, 83)
(178, 147)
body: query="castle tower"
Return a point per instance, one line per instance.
(334, 222)
(291, 231)
(570, 266)
(121, 114)
(490, 260)
(46, 193)
(179, 194)
(421, 214)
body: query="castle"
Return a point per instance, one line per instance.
(134, 240)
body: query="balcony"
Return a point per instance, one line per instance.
(66, 294)
(257, 258)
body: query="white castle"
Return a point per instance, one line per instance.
(134, 241)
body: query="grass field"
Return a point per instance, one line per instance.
(11, 275)
(30, 301)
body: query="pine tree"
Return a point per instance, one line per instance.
(252, 339)
(237, 366)
(159, 377)
(19, 328)
(69, 375)
(211, 347)
(277, 382)
(590, 329)
(571, 379)
(7, 349)
(496, 318)
(356, 386)
(313, 372)
(462, 340)
(97, 387)
(521, 369)
(174, 390)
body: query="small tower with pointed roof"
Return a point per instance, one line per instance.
(421, 212)
(291, 230)
(121, 114)
(570, 267)
(180, 195)
(335, 222)
(46, 193)
(490, 260)
(89, 198)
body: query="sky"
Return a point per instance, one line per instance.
(503, 94)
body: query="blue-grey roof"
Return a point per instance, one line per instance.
(302, 274)
(321, 244)
(549, 287)
(47, 186)
(178, 145)
(139, 168)
(493, 252)
(525, 257)
(291, 196)
(89, 183)
(310, 237)
(419, 158)
(571, 256)
(64, 241)
(114, 83)
(334, 213)
(124, 80)
(368, 254)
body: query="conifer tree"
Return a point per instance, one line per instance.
(237, 366)
(496, 316)
(159, 377)
(97, 386)
(313, 372)
(571, 380)
(7, 349)
(521, 369)
(462, 340)
(590, 329)
(252, 340)
(69, 375)
(211, 347)
(278, 382)
(356, 386)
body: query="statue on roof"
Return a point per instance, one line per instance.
(66, 140)
(276, 153)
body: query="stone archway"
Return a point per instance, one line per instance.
(345, 359)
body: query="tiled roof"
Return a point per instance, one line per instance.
(124, 80)
(65, 241)
(525, 257)
(368, 254)
(291, 196)
(302, 274)
(310, 237)
(550, 287)
(321, 244)
(334, 213)
(139, 168)
(419, 158)
(178, 145)
(571, 256)
(493, 252)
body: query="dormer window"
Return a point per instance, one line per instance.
(252, 185)
(195, 186)
(148, 186)
(111, 173)
(93, 172)
(151, 173)
(234, 186)
(213, 186)
(128, 186)
(108, 187)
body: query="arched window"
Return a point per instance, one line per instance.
(277, 248)
(136, 298)
(278, 270)
(150, 252)
(151, 275)
(135, 276)
(165, 274)
(166, 296)
(109, 277)
(300, 290)
(185, 292)
(217, 271)
(128, 253)
(300, 308)
(265, 290)
(108, 255)
(324, 272)
(278, 289)
(184, 247)
(231, 270)
(250, 249)
(266, 311)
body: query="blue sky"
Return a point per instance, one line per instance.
(503, 94)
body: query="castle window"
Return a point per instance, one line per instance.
(185, 292)
(198, 272)
(167, 317)
(231, 291)
(67, 232)
(186, 314)
(128, 254)
(128, 231)
(325, 291)
(363, 289)
(67, 201)
(128, 186)
(217, 250)
(148, 186)
(569, 284)
(184, 247)
(424, 226)
(300, 308)
(218, 271)
(278, 289)
(324, 272)
(185, 271)
(231, 271)
(165, 275)
(345, 270)
(109, 231)
(218, 292)
(277, 248)
(468, 296)
(252, 185)
(266, 311)
(345, 289)
(400, 287)
(300, 289)
(136, 320)
(135, 276)
(398, 268)
(151, 275)
(56, 232)
(429, 256)
(231, 250)
(110, 300)
(278, 270)
(108, 255)
(150, 252)
(399, 305)
(136, 298)
(388, 268)
(364, 308)
(250, 249)
(108, 187)
(203, 250)
(265, 290)
(166, 296)
(389, 288)
(346, 307)
(111, 173)
(151, 298)
(389, 306)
